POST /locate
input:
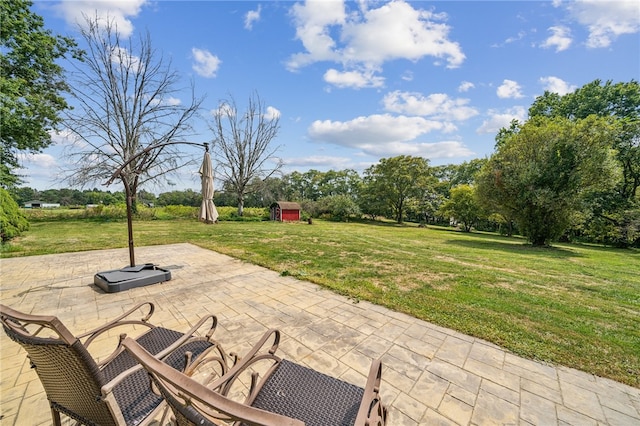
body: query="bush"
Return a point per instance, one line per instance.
(175, 212)
(251, 214)
(12, 221)
(340, 207)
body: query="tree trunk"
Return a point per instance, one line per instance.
(539, 241)
(240, 206)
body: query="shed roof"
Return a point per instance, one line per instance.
(287, 205)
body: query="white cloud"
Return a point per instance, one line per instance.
(606, 20)
(223, 110)
(206, 64)
(407, 76)
(437, 105)
(169, 101)
(353, 79)
(38, 160)
(499, 119)
(172, 101)
(40, 170)
(367, 38)
(560, 38)
(272, 113)
(398, 31)
(521, 35)
(381, 135)
(465, 86)
(557, 85)
(251, 17)
(314, 21)
(319, 161)
(122, 56)
(62, 137)
(433, 150)
(119, 12)
(509, 89)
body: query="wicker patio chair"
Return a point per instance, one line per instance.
(116, 390)
(287, 394)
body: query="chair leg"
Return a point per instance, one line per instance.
(55, 415)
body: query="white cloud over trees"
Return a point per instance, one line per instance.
(509, 89)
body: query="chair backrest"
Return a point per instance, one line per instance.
(193, 404)
(70, 376)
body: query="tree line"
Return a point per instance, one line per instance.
(571, 172)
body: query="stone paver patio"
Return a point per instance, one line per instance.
(431, 375)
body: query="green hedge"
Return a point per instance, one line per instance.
(12, 221)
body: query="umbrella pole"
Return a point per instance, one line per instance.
(132, 261)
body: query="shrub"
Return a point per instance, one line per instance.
(340, 207)
(12, 221)
(180, 211)
(251, 214)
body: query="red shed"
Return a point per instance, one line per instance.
(285, 211)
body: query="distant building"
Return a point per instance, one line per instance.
(40, 205)
(285, 211)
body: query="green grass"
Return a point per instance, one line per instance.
(574, 305)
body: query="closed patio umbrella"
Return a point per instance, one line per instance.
(208, 211)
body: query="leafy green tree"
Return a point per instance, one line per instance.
(370, 204)
(23, 194)
(394, 181)
(314, 184)
(50, 195)
(104, 197)
(451, 175)
(12, 221)
(31, 84)
(342, 182)
(541, 171)
(268, 190)
(341, 207)
(180, 198)
(146, 197)
(617, 207)
(462, 206)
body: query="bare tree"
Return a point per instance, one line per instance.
(243, 145)
(128, 122)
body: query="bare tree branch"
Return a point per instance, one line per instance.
(243, 145)
(128, 123)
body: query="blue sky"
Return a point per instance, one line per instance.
(354, 82)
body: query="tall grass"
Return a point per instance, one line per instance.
(118, 212)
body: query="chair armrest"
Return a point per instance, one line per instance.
(372, 411)
(120, 321)
(262, 350)
(190, 335)
(200, 396)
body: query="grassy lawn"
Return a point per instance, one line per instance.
(574, 305)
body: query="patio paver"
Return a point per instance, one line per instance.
(431, 375)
